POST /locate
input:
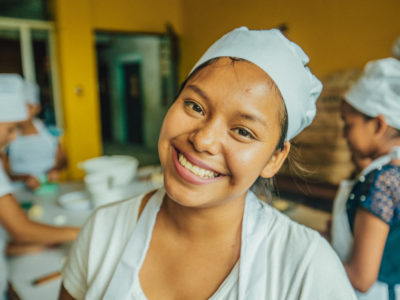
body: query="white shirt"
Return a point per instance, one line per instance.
(301, 264)
(5, 188)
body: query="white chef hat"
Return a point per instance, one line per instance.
(12, 98)
(284, 61)
(378, 91)
(32, 93)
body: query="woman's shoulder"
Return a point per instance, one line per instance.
(390, 171)
(288, 230)
(379, 193)
(114, 220)
(297, 243)
(303, 257)
(125, 211)
(109, 227)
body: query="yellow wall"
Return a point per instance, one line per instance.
(335, 34)
(77, 21)
(137, 15)
(77, 70)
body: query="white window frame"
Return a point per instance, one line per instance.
(25, 28)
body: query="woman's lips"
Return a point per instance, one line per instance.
(194, 161)
(202, 177)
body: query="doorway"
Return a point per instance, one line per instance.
(133, 103)
(136, 85)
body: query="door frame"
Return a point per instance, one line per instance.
(24, 27)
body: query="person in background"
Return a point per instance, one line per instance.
(205, 234)
(35, 156)
(14, 224)
(366, 217)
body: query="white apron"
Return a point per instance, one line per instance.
(252, 265)
(33, 154)
(342, 238)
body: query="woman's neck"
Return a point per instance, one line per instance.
(218, 222)
(386, 147)
(28, 128)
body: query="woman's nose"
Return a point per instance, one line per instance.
(207, 137)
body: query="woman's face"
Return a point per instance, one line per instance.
(220, 134)
(358, 132)
(33, 111)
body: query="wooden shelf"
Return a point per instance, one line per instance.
(312, 193)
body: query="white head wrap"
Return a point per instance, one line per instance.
(32, 93)
(284, 61)
(378, 91)
(12, 98)
(396, 48)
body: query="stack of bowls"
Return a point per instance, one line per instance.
(108, 176)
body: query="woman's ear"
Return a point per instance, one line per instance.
(276, 161)
(381, 126)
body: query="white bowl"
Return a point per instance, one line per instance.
(75, 201)
(121, 169)
(110, 196)
(97, 164)
(98, 182)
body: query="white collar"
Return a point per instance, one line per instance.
(253, 260)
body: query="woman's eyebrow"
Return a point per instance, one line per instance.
(252, 118)
(247, 116)
(199, 91)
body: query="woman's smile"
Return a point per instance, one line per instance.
(193, 170)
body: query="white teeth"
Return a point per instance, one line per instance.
(203, 173)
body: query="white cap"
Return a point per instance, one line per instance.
(12, 98)
(32, 93)
(284, 61)
(378, 91)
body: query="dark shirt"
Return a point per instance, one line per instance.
(378, 192)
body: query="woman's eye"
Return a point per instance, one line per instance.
(194, 106)
(243, 132)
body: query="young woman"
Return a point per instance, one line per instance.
(14, 224)
(205, 235)
(366, 223)
(36, 154)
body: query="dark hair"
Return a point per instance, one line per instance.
(395, 133)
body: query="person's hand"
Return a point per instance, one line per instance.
(53, 175)
(14, 249)
(32, 182)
